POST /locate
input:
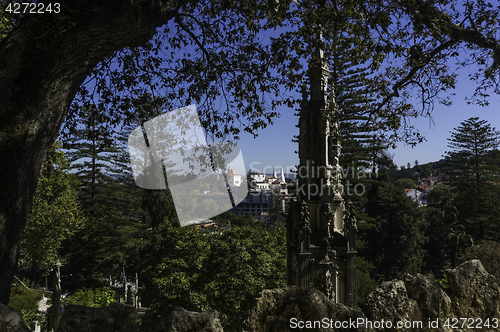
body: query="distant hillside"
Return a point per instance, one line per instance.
(417, 171)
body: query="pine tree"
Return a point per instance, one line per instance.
(441, 215)
(113, 234)
(363, 150)
(360, 142)
(472, 174)
(470, 145)
(90, 150)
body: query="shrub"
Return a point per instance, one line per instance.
(26, 302)
(99, 297)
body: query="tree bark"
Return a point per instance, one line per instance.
(43, 62)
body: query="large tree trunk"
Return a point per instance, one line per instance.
(43, 62)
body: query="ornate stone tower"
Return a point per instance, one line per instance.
(321, 229)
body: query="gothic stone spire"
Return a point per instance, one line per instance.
(319, 254)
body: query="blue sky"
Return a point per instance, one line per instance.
(274, 147)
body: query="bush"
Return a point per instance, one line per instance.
(24, 299)
(26, 302)
(100, 297)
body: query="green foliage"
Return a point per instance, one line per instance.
(154, 206)
(472, 175)
(104, 247)
(395, 243)
(470, 144)
(228, 55)
(277, 211)
(55, 215)
(444, 282)
(460, 240)
(91, 151)
(440, 214)
(195, 46)
(405, 183)
(176, 276)
(222, 271)
(228, 218)
(113, 236)
(24, 299)
(32, 315)
(26, 302)
(5, 22)
(243, 262)
(350, 75)
(365, 283)
(100, 297)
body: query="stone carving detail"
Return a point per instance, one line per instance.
(350, 217)
(329, 215)
(304, 217)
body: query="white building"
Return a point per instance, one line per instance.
(418, 196)
(266, 182)
(259, 201)
(235, 178)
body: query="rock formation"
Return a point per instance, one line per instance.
(11, 320)
(180, 320)
(417, 302)
(289, 308)
(488, 253)
(473, 294)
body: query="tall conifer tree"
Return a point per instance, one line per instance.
(472, 176)
(362, 146)
(113, 234)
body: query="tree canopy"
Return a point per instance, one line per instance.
(55, 215)
(224, 271)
